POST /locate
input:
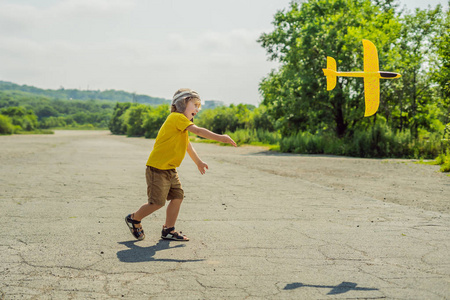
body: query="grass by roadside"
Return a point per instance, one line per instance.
(35, 131)
(443, 160)
(80, 127)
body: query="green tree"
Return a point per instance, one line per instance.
(222, 119)
(409, 104)
(219, 119)
(53, 122)
(116, 124)
(134, 119)
(442, 70)
(6, 126)
(154, 119)
(81, 117)
(260, 119)
(24, 119)
(46, 111)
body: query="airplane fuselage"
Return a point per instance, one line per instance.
(379, 74)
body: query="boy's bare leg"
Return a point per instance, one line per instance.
(145, 210)
(172, 212)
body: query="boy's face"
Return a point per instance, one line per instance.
(192, 109)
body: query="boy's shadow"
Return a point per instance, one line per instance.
(136, 254)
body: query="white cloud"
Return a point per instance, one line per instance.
(28, 19)
(91, 7)
(17, 18)
(216, 41)
(11, 47)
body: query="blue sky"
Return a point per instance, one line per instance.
(149, 47)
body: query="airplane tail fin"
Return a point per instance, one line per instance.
(330, 72)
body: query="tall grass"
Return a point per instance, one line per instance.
(378, 142)
(307, 143)
(255, 136)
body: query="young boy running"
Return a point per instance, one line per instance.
(168, 152)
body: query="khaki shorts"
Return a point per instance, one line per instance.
(162, 185)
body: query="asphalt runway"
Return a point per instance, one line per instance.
(262, 225)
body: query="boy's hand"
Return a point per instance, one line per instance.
(202, 166)
(226, 139)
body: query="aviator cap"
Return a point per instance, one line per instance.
(179, 99)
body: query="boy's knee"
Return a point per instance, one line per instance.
(156, 206)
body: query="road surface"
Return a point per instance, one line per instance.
(262, 225)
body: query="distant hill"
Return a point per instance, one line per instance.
(75, 94)
(109, 95)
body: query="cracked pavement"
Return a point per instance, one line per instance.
(262, 225)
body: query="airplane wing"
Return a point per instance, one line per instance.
(371, 94)
(370, 57)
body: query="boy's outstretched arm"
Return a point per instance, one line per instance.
(201, 165)
(207, 134)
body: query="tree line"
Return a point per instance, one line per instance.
(25, 112)
(135, 120)
(248, 124)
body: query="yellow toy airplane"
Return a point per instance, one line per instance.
(371, 74)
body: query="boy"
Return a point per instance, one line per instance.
(168, 152)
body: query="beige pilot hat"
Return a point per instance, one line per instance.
(180, 97)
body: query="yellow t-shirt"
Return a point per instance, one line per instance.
(171, 143)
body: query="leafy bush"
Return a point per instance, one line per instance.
(20, 117)
(229, 119)
(219, 120)
(134, 119)
(446, 166)
(138, 119)
(6, 126)
(444, 161)
(155, 119)
(116, 124)
(53, 122)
